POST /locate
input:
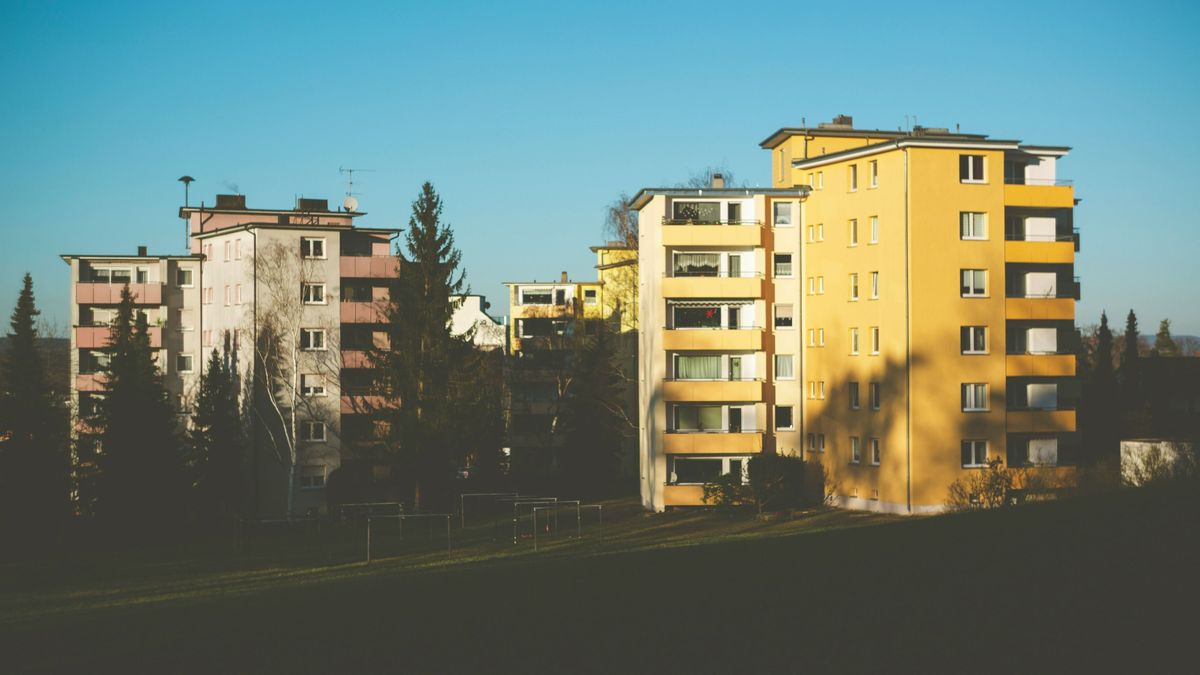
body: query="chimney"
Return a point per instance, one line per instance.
(564, 277)
(718, 181)
(839, 122)
(231, 201)
(141, 251)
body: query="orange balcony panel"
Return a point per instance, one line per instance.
(729, 391)
(369, 266)
(97, 337)
(749, 339)
(1041, 420)
(1039, 251)
(712, 287)
(355, 358)
(89, 382)
(712, 235)
(683, 495)
(1044, 196)
(712, 444)
(362, 312)
(1040, 365)
(103, 293)
(1039, 308)
(363, 404)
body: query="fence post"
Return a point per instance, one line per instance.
(368, 539)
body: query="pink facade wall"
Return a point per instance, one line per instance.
(371, 267)
(361, 312)
(101, 293)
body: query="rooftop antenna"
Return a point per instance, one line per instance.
(187, 181)
(350, 203)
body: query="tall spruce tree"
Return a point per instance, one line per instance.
(34, 468)
(416, 367)
(216, 440)
(1164, 344)
(141, 477)
(590, 460)
(1099, 409)
(1104, 344)
(1130, 361)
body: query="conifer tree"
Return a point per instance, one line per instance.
(416, 367)
(141, 479)
(1104, 345)
(1099, 410)
(1164, 345)
(1130, 361)
(590, 459)
(216, 440)
(34, 469)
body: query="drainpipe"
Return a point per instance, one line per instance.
(907, 347)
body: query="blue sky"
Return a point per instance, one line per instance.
(529, 118)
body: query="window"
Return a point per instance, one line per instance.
(973, 225)
(783, 214)
(183, 278)
(820, 442)
(589, 296)
(312, 247)
(811, 182)
(853, 177)
(1042, 451)
(874, 229)
(312, 431)
(820, 337)
(812, 442)
(313, 294)
(873, 173)
(875, 452)
(853, 234)
(821, 285)
(560, 296)
(855, 450)
(312, 477)
(853, 340)
(696, 317)
(812, 337)
(874, 285)
(237, 294)
(783, 316)
(183, 363)
(820, 231)
(974, 283)
(820, 180)
(228, 251)
(228, 295)
(783, 265)
(536, 296)
(812, 389)
(697, 212)
(312, 339)
(697, 367)
(697, 264)
(784, 367)
(237, 249)
(970, 168)
(312, 385)
(821, 389)
(812, 232)
(812, 285)
(854, 287)
(698, 418)
(874, 339)
(701, 470)
(973, 339)
(853, 389)
(974, 397)
(873, 392)
(974, 453)
(733, 212)
(783, 418)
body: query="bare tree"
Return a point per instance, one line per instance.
(704, 177)
(621, 221)
(280, 357)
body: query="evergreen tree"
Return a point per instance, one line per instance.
(1104, 344)
(416, 367)
(1130, 365)
(34, 469)
(1099, 409)
(590, 460)
(216, 440)
(141, 479)
(1164, 345)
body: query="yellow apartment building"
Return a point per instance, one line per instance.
(931, 289)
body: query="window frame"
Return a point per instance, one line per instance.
(792, 360)
(975, 463)
(304, 293)
(313, 391)
(307, 250)
(306, 431)
(852, 389)
(191, 275)
(855, 450)
(791, 317)
(852, 232)
(775, 213)
(874, 395)
(967, 162)
(311, 332)
(853, 177)
(969, 290)
(874, 285)
(874, 233)
(791, 413)
(775, 266)
(854, 345)
(190, 360)
(874, 333)
(967, 334)
(977, 223)
(873, 174)
(853, 286)
(975, 388)
(875, 450)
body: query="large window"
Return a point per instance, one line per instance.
(1042, 451)
(784, 367)
(974, 397)
(783, 316)
(537, 296)
(784, 418)
(697, 367)
(701, 470)
(313, 294)
(973, 225)
(974, 453)
(697, 317)
(312, 339)
(783, 265)
(183, 278)
(973, 339)
(697, 264)
(783, 214)
(698, 418)
(312, 247)
(970, 168)
(974, 283)
(697, 212)
(534, 328)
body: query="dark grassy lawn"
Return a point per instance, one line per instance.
(1097, 584)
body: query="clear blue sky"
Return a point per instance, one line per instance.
(529, 118)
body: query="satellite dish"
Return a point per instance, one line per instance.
(350, 204)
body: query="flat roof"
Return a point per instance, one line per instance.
(67, 257)
(645, 194)
(927, 142)
(846, 132)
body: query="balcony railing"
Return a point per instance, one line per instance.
(109, 293)
(701, 221)
(742, 430)
(712, 275)
(1073, 235)
(1022, 180)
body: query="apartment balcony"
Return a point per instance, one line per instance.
(107, 293)
(1061, 249)
(97, 337)
(1040, 365)
(746, 286)
(355, 358)
(90, 382)
(369, 266)
(690, 233)
(1041, 421)
(712, 443)
(1049, 193)
(364, 403)
(713, 390)
(683, 495)
(362, 312)
(1040, 308)
(713, 339)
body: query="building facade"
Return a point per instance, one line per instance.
(916, 317)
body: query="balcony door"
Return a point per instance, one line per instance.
(735, 420)
(735, 369)
(735, 315)
(735, 265)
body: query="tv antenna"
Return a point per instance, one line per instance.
(350, 203)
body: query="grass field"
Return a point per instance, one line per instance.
(1096, 584)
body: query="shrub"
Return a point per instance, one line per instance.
(984, 489)
(776, 482)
